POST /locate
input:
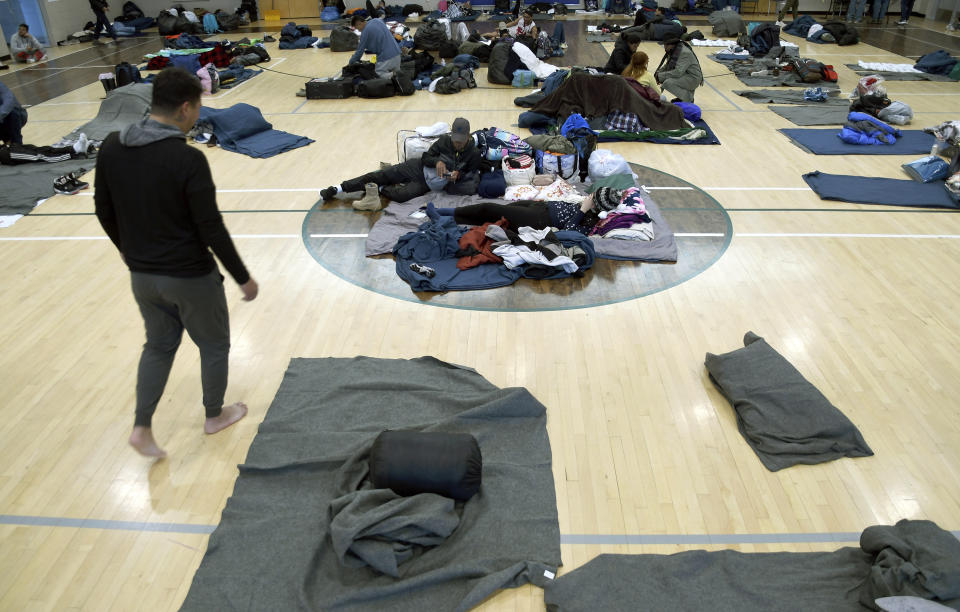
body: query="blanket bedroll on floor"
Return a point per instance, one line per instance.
(911, 558)
(784, 418)
(273, 549)
(879, 190)
(826, 142)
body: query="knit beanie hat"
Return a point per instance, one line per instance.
(606, 198)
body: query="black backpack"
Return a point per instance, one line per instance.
(376, 88)
(131, 11)
(403, 84)
(126, 73)
(765, 36)
(429, 36)
(447, 49)
(422, 61)
(502, 6)
(342, 38)
(364, 71)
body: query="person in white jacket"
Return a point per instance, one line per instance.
(25, 47)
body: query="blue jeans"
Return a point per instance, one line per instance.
(906, 6)
(103, 22)
(855, 12)
(880, 9)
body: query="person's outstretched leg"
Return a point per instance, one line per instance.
(164, 330)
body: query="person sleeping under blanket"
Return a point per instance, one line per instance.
(595, 96)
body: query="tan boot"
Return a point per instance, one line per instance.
(371, 201)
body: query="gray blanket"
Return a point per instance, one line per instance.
(813, 114)
(122, 107)
(910, 558)
(24, 185)
(283, 532)
(395, 221)
(784, 418)
(788, 96)
(899, 76)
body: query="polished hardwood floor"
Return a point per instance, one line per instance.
(862, 299)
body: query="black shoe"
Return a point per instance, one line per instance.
(328, 193)
(67, 185)
(269, 38)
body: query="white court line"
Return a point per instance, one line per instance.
(648, 188)
(699, 235)
(338, 235)
(48, 238)
(804, 235)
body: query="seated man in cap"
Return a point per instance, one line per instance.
(679, 71)
(451, 164)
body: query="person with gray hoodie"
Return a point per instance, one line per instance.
(156, 200)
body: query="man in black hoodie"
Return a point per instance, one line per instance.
(164, 222)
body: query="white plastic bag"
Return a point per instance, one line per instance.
(604, 163)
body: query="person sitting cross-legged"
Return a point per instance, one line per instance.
(451, 164)
(24, 46)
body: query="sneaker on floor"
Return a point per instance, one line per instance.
(269, 38)
(780, 24)
(67, 185)
(902, 22)
(31, 60)
(328, 193)
(43, 58)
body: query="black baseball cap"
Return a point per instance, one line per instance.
(460, 131)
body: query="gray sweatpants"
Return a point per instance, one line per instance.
(169, 305)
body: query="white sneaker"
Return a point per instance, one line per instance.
(902, 22)
(43, 58)
(780, 24)
(31, 60)
(81, 145)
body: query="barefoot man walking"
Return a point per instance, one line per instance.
(156, 200)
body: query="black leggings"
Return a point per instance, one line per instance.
(521, 214)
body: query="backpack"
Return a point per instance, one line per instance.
(403, 84)
(342, 38)
(616, 6)
(458, 80)
(559, 9)
(364, 71)
(447, 49)
(126, 73)
(376, 88)
(497, 68)
(764, 37)
(422, 61)
(131, 11)
(590, 5)
(494, 143)
(808, 70)
(429, 36)
(210, 24)
(502, 6)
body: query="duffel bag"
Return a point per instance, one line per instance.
(376, 88)
(330, 89)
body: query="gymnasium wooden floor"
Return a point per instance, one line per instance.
(863, 300)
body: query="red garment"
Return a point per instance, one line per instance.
(476, 237)
(158, 62)
(644, 91)
(216, 56)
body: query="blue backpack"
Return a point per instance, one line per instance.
(210, 24)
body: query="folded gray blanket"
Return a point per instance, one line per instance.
(779, 413)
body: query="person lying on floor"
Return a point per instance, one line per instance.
(451, 164)
(14, 154)
(376, 38)
(679, 72)
(582, 217)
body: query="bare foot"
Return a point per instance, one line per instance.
(142, 440)
(230, 415)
